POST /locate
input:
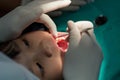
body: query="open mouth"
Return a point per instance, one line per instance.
(62, 42)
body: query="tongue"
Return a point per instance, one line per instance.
(61, 41)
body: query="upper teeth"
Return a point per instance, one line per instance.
(60, 38)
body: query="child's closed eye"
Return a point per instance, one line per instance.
(26, 42)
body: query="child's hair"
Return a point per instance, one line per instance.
(8, 47)
(35, 27)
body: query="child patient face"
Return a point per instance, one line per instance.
(40, 54)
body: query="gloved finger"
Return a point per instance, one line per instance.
(47, 5)
(91, 35)
(78, 2)
(74, 35)
(70, 8)
(48, 22)
(55, 5)
(84, 25)
(55, 13)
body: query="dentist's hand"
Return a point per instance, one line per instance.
(74, 6)
(83, 58)
(12, 24)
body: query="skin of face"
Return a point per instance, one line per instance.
(40, 54)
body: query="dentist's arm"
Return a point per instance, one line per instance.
(12, 24)
(83, 59)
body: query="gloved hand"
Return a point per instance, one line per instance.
(12, 24)
(74, 6)
(83, 58)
